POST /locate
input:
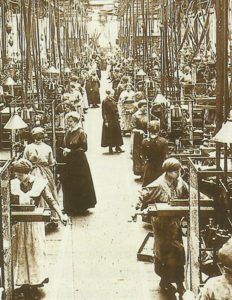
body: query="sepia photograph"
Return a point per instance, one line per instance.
(115, 150)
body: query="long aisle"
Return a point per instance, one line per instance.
(95, 258)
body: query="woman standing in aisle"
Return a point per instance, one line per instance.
(92, 89)
(111, 131)
(78, 189)
(155, 150)
(139, 124)
(126, 108)
(29, 256)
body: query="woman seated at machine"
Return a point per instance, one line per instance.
(168, 247)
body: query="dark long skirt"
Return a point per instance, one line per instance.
(152, 171)
(168, 249)
(93, 96)
(77, 184)
(111, 134)
(138, 161)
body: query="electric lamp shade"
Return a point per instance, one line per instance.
(67, 70)
(9, 81)
(153, 55)
(141, 73)
(160, 99)
(15, 122)
(53, 70)
(224, 135)
(147, 80)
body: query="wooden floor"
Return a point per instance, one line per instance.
(95, 257)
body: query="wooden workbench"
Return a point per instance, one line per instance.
(166, 210)
(38, 215)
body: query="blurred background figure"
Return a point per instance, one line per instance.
(111, 131)
(220, 287)
(139, 124)
(154, 150)
(92, 89)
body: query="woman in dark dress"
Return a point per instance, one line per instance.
(154, 149)
(111, 131)
(92, 90)
(139, 125)
(77, 184)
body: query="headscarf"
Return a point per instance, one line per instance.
(141, 103)
(109, 92)
(74, 115)
(66, 96)
(22, 166)
(139, 96)
(171, 164)
(74, 78)
(37, 130)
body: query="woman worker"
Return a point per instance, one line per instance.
(126, 108)
(42, 159)
(77, 183)
(111, 131)
(139, 124)
(168, 246)
(155, 149)
(29, 237)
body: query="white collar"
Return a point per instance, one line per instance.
(38, 186)
(75, 128)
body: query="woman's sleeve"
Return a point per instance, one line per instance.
(26, 154)
(103, 111)
(79, 142)
(207, 292)
(150, 196)
(133, 122)
(47, 196)
(185, 190)
(51, 159)
(83, 141)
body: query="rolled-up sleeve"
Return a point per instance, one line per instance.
(46, 194)
(150, 196)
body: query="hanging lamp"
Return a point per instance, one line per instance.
(67, 70)
(9, 81)
(141, 73)
(224, 135)
(160, 99)
(15, 122)
(53, 70)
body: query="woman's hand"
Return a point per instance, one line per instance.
(66, 151)
(64, 219)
